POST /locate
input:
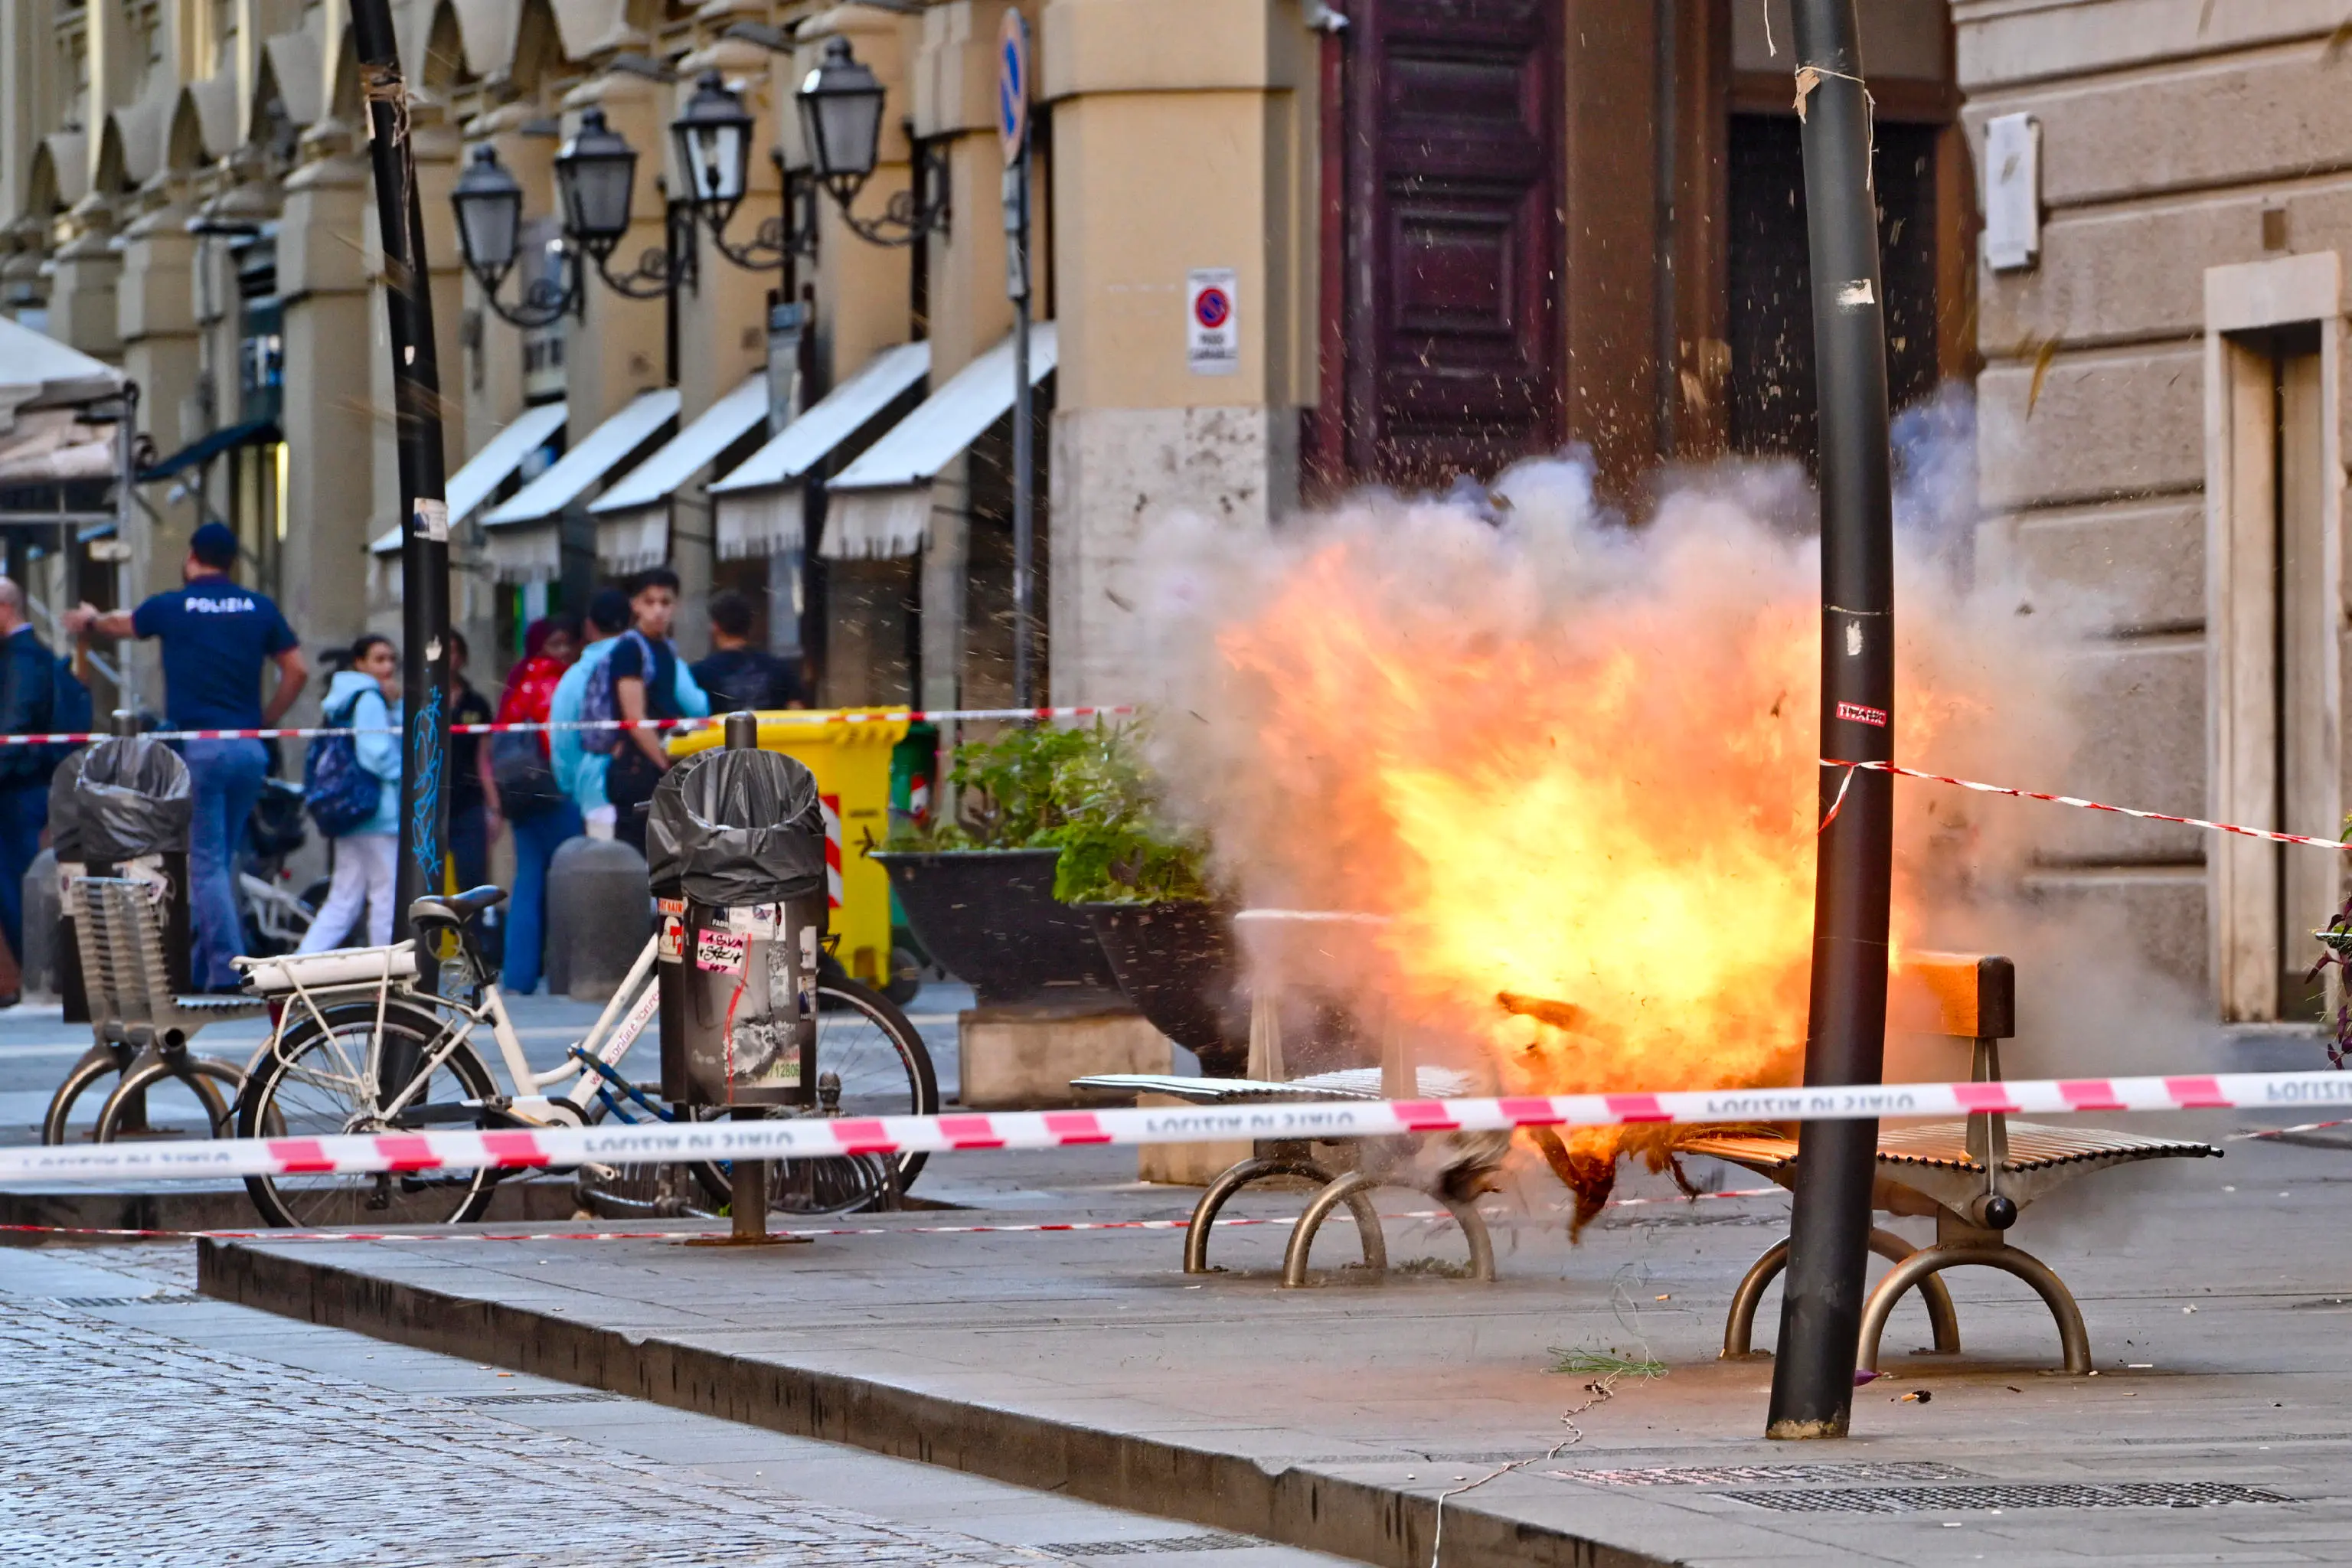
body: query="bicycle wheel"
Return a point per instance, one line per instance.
(880, 1063)
(196, 1077)
(318, 1082)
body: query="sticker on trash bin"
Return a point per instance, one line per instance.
(670, 906)
(754, 920)
(720, 952)
(672, 940)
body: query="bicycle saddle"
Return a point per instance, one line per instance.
(456, 909)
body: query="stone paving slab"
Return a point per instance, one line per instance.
(1333, 1419)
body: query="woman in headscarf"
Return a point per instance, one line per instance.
(519, 786)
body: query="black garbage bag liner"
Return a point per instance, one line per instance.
(132, 799)
(730, 828)
(65, 817)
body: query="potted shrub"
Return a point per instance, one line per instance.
(1168, 939)
(978, 890)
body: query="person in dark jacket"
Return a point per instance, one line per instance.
(737, 675)
(27, 694)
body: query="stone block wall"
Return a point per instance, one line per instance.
(2176, 135)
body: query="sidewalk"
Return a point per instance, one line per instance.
(1331, 1418)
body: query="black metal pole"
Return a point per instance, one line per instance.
(1845, 1037)
(1025, 503)
(424, 514)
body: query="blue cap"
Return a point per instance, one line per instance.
(213, 545)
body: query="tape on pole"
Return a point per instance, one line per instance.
(821, 1138)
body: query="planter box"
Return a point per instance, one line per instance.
(1177, 964)
(988, 917)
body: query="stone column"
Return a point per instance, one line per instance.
(723, 323)
(863, 306)
(155, 320)
(1184, 133)
(329, 415)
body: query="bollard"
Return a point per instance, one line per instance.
(597, 917)
(44, 919)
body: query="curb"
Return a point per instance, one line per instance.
(1293, 1506)
(68, 1208)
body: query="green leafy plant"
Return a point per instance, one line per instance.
(1086, 792)
(1608, 1363)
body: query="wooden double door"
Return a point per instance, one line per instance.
(1450, 159)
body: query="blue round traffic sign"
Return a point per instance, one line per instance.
(1211, 309)
(1013, 85)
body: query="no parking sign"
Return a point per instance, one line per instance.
(1212, 340)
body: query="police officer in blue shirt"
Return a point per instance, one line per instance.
(216, 635)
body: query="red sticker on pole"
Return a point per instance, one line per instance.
(1861, 715)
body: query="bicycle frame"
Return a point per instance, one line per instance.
(616, 1030)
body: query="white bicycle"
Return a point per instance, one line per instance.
(357, 1048)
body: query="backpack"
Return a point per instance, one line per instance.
(342, 795)
(526, 782)
(599, 704)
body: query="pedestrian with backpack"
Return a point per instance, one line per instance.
(519, 784)
(646, 681)
(216, 635)
(38, 696)
(352, 784)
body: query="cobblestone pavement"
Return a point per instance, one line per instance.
(126, 1446)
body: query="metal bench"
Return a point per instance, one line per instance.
(142, 1027)
(1975, 1176)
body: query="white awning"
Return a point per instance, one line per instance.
(479, 478)
(691, 450)
(603, 451)
(759, 505)
(630, 542)
(51, 446)
(525, 554)
(880, 505)
(38, 372)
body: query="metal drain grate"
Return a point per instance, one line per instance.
(586, 1397)
(2055, 1494)
(1149, 1548)
(1787, 1475)
(170, 1298)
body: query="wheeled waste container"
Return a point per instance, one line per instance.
(735, 856)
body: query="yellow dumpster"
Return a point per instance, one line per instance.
(848, 749)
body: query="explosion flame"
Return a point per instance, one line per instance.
(1574, 765)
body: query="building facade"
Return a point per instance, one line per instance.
(2161, 433)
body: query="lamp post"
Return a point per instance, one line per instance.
(596, 185)
(1846, 1036)
(424, 512)
(840, 106)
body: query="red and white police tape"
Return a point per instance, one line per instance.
(819, 1137)
(816, 718)
(2076, 801)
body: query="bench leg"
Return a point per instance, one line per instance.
(1349, 1189)
(1739, 1327)
(2074, 1339)
(1233, 1180)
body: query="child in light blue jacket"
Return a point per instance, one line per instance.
(365, 697)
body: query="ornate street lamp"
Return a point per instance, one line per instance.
(841, 120)
(490, 228)
(713, 138)
(595, 183)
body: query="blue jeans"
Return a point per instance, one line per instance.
(536, 840)
(24, 810)
(225, 777)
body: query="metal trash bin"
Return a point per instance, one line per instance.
(735, 857)
(128, 803)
